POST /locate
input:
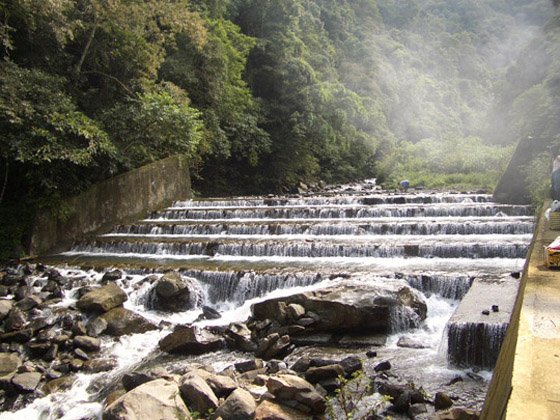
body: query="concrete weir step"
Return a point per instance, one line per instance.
(478, 327)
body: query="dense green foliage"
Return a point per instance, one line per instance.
(263, 94)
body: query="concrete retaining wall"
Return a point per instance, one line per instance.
(500, 388)
(123, 198)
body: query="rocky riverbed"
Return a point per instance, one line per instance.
(321, 352)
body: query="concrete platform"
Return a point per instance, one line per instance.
(526, 382)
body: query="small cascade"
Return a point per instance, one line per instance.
(475, 344)
(456, 250)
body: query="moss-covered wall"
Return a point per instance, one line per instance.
(123, 198)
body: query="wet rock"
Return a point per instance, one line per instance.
(239, 337)
(22, 292)
(80, 354)
(158, 399)
(197, 394)
(51, 353)
(9, 363)
(318, 374)
(268, 410)
(371, 353)
(248, 365)
(295, 311)
(410, 343)
(191, 340)
(96, 327)
(274, 347)
(297, 393)
(350, 365)
(383, 366)
(442, 401)
(121, 321)
(210, 313)
(5, 308)
(87, 343)
(275, 366)
(416, 410)
(38, 349)
(221, 385)
(301, 365)
(111, 276)
(60, 384)
(15, 320)
(132, 380)
(240, 405)
(349, 307)
(26, 382)
(175, 293)
(20, 336)
(29, 302)
(100, 365)
(102, 299)
(457, 414)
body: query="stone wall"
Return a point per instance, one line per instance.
(123, 198)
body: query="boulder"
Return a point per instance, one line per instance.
(5, 308)
(27, 381)
(132, 380)
(100, 365)
(318, 374)
(239, 337)
(240, 405)
(111, 276)
(121, 321)
(191, 340)
(248, 365)
(297, 393)
(274, 347)
(175, 293)
(221, 385)
(457, 414)
(442, 401)
(197, 394)
(102, 299)
(158, 399)
(60, 384)
(15, 320)
(349, 307)
(87, 343)
(268, 410)
(9, 363)
(410, 343)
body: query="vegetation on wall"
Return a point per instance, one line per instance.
(264, 94)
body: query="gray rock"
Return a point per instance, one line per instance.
(240, 337)
(318, 374)
(9, 363)
(102, 299)
(29, 302)
(240, 405)
(121, 321)
(410, 343)
(175, 293)
(191, 340)
(87, 343)
(26, 382)
(221, 385)
(274, 347)
(351, 307)
(296, 393)
(96, 326)
(197, 394)
(442, 401)
(269, 410)
(132, 380)
(100, 365)
(248, 365)
(5, 308)
(158, 399)
(15, 320)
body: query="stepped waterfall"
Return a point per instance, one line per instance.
(457, 250)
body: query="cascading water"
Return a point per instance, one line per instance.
(244, 250)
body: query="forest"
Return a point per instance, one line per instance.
(263, 94)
